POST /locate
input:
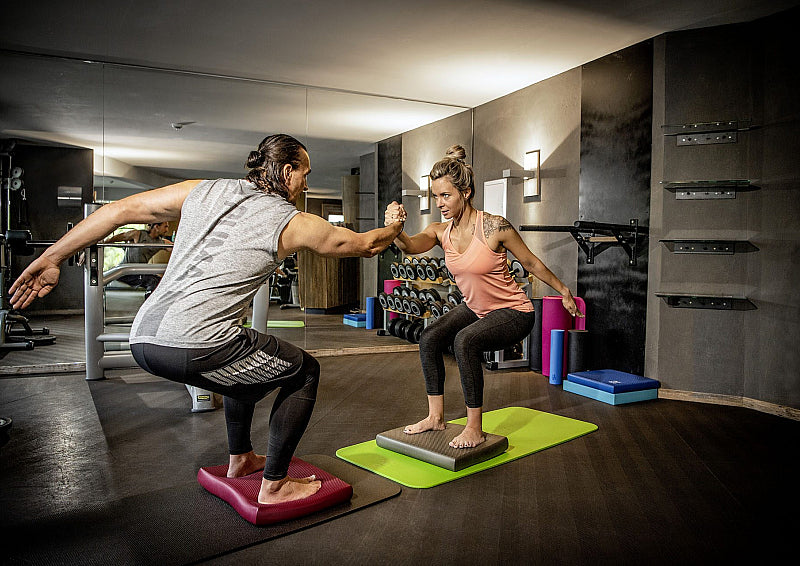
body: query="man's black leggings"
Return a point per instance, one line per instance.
(244, 371)
(471, 336)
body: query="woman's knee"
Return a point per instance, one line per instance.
(464, 344)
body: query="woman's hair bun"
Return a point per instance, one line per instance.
(456, 152)
(255, 159)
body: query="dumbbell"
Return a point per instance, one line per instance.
(402, 328)
(420, 271)
(447, 307)
(407, 305)
(517, 269)
(382, 299)
(401, 271)
(436, 309)
(390, 301)
(433, 271)
(414, 331)
(417, 307)
(395, 269)
(454, 298)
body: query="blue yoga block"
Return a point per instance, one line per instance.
(613, 381)
(610, 398)
(356, 323)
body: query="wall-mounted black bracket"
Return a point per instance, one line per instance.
(717, 247)
(596, 237)
(704, 190)
(704, 133)
(716, 302)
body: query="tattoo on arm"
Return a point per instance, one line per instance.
(492, 224)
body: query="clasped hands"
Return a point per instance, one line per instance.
(394, 213)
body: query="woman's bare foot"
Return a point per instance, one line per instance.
(287, 489)
(428, 423)
(240, 465)
(469, 438)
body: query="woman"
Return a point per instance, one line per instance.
(495, 313)
(233, 234)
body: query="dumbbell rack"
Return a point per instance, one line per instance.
(432, 273)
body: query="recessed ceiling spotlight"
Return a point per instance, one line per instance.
(179, 125)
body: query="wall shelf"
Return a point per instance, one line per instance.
(709, 189)
(705, 133)
(716, 302)
(716, 247)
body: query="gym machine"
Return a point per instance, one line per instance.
(14, 241)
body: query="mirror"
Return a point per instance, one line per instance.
(149, 127)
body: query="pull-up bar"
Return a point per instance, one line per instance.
(596, 237)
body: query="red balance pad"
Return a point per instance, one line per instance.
(242, 493)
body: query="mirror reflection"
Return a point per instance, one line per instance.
(108, 131)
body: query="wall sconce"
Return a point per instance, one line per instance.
(531, 182)
(424, 193)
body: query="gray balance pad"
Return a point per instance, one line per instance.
(433, 447)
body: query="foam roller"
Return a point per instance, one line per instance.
(578, 351)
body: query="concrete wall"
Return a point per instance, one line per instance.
(616, 124)
(544, 116)
(741, 72)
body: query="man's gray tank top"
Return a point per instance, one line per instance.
(225, 248)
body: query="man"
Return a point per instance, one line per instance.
(232, 235)
(154, 234)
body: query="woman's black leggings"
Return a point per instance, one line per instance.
(471, 336)
(244, 371)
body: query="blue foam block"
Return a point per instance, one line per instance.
(359, 317)
(613, 381)
(356, 323)
(611, 398)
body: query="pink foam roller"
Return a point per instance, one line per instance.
(555, 317)
(388, 287)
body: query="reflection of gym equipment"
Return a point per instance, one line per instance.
(288, 286)
(14, 242)
(98, 358)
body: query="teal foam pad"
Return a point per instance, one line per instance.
(434, 447)
(527, 431)
(611, 398)
(355, 323)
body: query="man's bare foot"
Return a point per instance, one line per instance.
(288, 489)
(469, 438)
(428, 423)
(240, 465)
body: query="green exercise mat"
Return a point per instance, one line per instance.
(280, 324)
(285, 324)
(527, 430)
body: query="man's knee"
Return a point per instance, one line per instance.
(310, 369)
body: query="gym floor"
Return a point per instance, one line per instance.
(660, 482)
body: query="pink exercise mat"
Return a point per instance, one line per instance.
(555, 316)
